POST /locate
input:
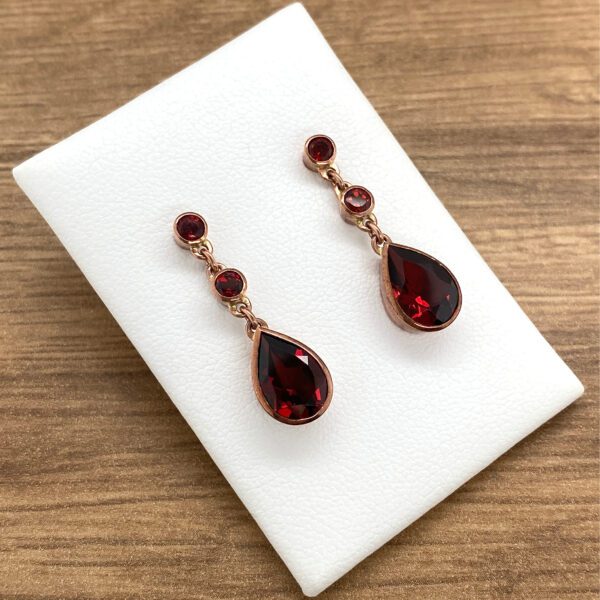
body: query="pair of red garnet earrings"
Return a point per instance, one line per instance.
(290, 380)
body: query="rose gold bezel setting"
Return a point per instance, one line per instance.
(398, 316)
(187, 243)
(229, 298)
(316, 165)
(349, 215)
(256, 384)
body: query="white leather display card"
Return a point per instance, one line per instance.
(413, 416)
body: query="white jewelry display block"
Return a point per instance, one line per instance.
(413, 416)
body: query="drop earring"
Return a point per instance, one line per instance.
(290, 381)
(418, 291)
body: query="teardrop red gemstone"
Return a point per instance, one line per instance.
(424, 289)
(293, 381)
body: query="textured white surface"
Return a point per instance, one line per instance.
(413, 415)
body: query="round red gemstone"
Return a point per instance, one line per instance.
(191, 227)
(424, 289)
(358, 200)
(229, 283)
(320, 148)
(291, 379)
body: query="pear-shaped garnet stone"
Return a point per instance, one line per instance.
(291, 381)
(422, 288)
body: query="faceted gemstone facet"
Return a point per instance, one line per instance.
(358, 200)
(423, 288)
(191, 227)
(229, 283)
(320, 148)
(292, 380)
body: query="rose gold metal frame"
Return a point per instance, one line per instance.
(396, 314)
(256, 384)
(316, 165)
(187, 243)
(213, 280)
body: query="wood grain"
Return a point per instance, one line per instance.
(104, 491)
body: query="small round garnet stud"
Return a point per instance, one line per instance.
(319, 152)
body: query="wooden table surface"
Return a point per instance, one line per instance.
(104, 491)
